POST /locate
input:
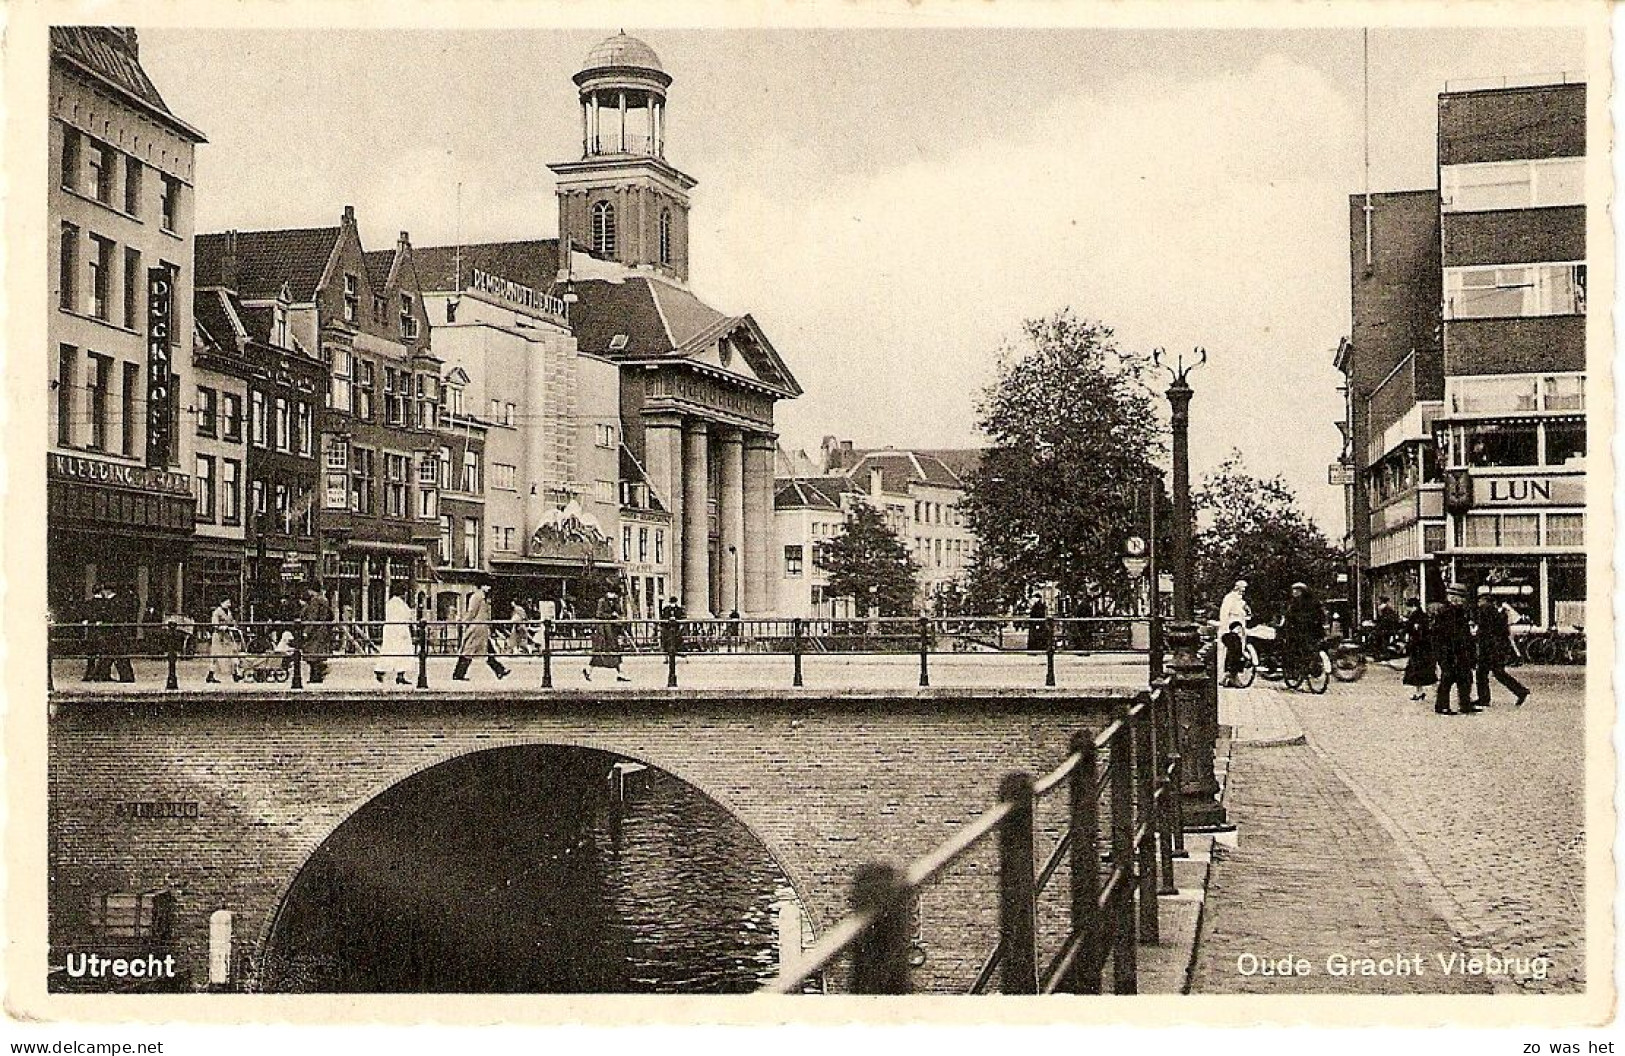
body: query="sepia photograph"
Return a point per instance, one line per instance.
(924, 506)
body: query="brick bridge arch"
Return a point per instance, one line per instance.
(221, 798)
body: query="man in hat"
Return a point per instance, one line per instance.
(1494, 648)
(1302, 629)
(1453, 649)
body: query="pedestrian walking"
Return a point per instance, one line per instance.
(223, 642)
(317, 615)
(672, 629)
(606, 639)
(96, 617)
(1037, 626)
(477, 637)
(396, 653)
(1494, 649)
(1421, 670)
(121, 607)
(1452, 637)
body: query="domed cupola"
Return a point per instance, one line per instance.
(623, 99)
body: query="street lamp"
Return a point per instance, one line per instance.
(1196, 701)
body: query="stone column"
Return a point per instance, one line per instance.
(663, 460)
(731, 517)
(694, 510)
(759, 534)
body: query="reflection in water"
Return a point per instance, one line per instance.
(517, 871)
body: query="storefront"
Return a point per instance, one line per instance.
(126, 526)
(362, 576)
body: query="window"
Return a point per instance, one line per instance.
(444, 461)
(626, 543)
(72, 157)
(205, 488)
(603, 229)
(101, 276)
(792, 560)
(363, 478)
(665, 236)
(1503, 444)
(337, 495)
(231, 494)
(256, 498)
(660, 546)
(67, 380)
(605, 435)
(257, 418)
(1565, 443)
(284, 426)
(231, 416)
(340, 383)
(279, 326)
(283, 511)
(1519, 184)
(454, 400)
(643, 545)
(603, 490)
(68, 268)
(1520, 529)
(502, 476)
(135, 916)
(132, 185)
(1493, 394)
(1432, 538)
(100, 383)
(428, 486)
(1489, 530)
(305, 425)
(172, 203)
(471, 471)
(1515, 290)
(128, 395)
(352, 298)
(507, 414)
(471, 543)
(132, 287)
(494, 413)
(428, 401)
(379, 307)
(1565, 529)
(102, 158)
(207, 411)
(397, 476)
(1565, 392)
(409, 319)
(394, 396)
(364, 381)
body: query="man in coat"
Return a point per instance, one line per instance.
(120, 607)
(1302, 628)
(1453, 649)
(1494, 649)
(317, 615)
(477, 637)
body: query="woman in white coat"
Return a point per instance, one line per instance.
(396, 654)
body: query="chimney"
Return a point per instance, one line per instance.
(349, 216)
(846, 446)
(228, 261)
(404, 242)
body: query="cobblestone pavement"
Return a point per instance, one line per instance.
(1394, 832)
(1490, 806)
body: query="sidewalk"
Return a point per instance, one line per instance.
(1314, 884)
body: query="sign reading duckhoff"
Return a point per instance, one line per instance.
(160, 418)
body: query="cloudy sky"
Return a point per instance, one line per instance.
(891, 204)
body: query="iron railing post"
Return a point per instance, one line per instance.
(298, 652)
(925, 650)
(1162, 794)
(1124, 967)
(1049, 651)
(423, 650)
(1171, 717)
(547, 654)
(1084, 976)
(1018, 888)
(880, 956)
(795, 648)
(671, 653)
(173, 648)
(1145, 824)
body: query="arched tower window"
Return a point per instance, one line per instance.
(665, 236)
(603, 229)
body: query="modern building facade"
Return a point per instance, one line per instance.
(1472, 445)
(120, 461)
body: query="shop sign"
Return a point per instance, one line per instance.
(1530, 491)
(141, 478)
(157, 808)
(508, 290)
(160, 421)
(1339, 475)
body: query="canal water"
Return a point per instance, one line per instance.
(521, 870)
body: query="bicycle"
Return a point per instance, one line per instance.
(1316, 681)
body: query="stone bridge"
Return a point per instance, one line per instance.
(221, 799)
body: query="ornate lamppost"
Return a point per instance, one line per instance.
(1195, 688)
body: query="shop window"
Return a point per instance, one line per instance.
(1565, 443)
(1503, 444)
(1567, 580)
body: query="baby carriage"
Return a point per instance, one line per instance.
(275, 664)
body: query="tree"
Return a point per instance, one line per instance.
(1074, 434)
(868, 562)
(1255, 530)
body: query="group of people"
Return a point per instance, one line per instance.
(1300, 632)
(109, 616)
(1451, 646)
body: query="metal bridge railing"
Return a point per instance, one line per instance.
(277, 651)
(1124, 830)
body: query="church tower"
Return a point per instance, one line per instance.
(622, 200)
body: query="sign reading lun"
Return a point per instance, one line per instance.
(160, 366)
(1531, 491)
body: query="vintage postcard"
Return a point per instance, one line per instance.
(818, 512)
